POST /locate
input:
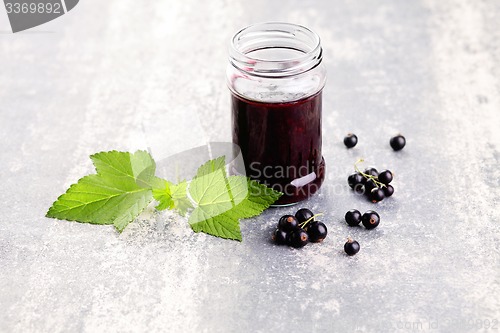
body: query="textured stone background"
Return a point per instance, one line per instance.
(122, 74)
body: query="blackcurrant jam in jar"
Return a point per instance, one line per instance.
(276, 77)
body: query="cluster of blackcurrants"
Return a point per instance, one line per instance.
(298, 230)
(370, 220)
(375, 185)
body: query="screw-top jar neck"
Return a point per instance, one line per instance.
(275, 50)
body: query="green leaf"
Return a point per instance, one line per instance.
(125, 184)
(211, 166)
(172, 196)
(211, 190)
(116, 195)
(222, 201)
(163, 195)
(179, 196)
(138, 168)
(259, 197)
(222, 225)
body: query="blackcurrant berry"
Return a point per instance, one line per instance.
(359, 188)
(385, 177)
(397, 142)
(303, 215)
(371, 171)
(351, 247)
(288, 223)
(297, 238)
(376, 195)
(388, 190)
(355, 179)
(350, 140)
(369, 186)
(317, 231)
(370, 219)
(353, 217)
(279, 236)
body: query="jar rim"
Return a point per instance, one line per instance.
(297, 39)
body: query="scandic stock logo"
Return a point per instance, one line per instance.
(26, 14)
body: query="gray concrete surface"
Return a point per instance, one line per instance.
(123, 74)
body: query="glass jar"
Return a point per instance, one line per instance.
(276, 76)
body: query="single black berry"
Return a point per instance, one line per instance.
(359, 188)
(388, 190)
(288, 223)
(350, 140)
(353, 217)
(397, 142)
(369, 186)
(376, 195)
(371, 171)
(279, 236)
(370, 219)
(303, 215)
(297, 238)
(355, 180)
(317, 231)
(351, 247)
(385, 177)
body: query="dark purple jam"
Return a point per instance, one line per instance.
(280, 143)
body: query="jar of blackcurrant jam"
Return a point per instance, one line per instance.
(276, 76)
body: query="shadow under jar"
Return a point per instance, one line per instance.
(276, 76)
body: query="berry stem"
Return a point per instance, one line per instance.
(303, 224)
(367, 176)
